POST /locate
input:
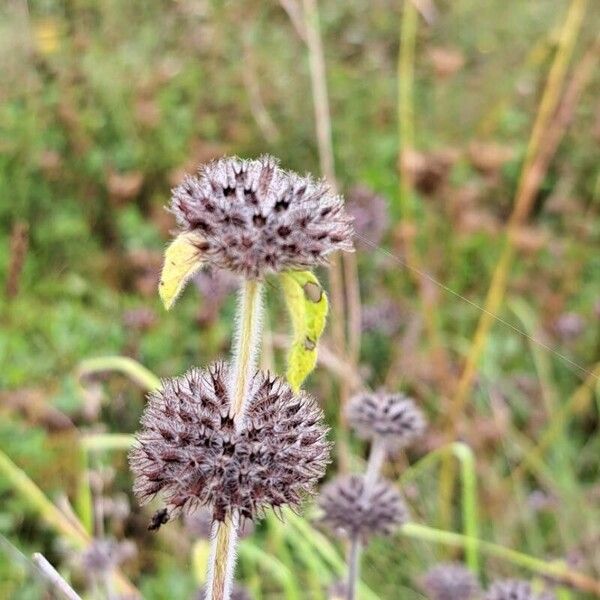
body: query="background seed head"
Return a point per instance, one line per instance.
(450, 581)
(350, 511)
(255, 218)
(513, 589)
(190, 452)
(103, 555)
(393, 417)
(370, 215)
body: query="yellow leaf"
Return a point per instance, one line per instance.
(308, 306)
(182, 260)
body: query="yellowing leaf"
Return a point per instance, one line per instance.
(182, 260)
(308, 306)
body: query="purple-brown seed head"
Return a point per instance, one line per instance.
(450, 581)
(255, 218)
(190, 452)
(370, 215)
(103, 555)
(513, 589)
(393, 417)
(348, 510)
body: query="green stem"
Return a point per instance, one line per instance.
(556, 570)
(107, 441)
(122, 364)
(37, 501)
(465, 456)
(253, 554)
(406, 76)
(468, 475)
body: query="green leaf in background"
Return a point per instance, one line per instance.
(307, 304)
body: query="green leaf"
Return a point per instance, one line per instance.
(307, 304)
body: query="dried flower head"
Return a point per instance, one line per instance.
(190, 451)
(513, 589)
(350, 511)
(370, 214)
(237, 593)
(450, 581)
(255, 218)
(393, 417)
(103, 555)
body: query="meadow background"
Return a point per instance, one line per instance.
(475, 125)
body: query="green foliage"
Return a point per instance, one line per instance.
(149, 89)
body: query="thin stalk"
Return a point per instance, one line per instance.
(99, 442)
(339, 292)
(38, 502)
(122, 364)
(557, 570)
(406, 144)
(54, 577)
(246, 348)
(535, 164)
(353, 568)
(377, 456)
(581, 397)
(224, 538)
(470, 518)
(522, 205)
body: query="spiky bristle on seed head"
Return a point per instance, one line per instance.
(190, 451)
(351, 511)
(255, 218)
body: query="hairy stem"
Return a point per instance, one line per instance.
(353, 568)
(222, 559)
(376, 458)
(245, 349)
(224, 538)
(377, 455)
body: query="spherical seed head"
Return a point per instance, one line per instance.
(393, 417)
(450, 581)
(370, 214)
(190, 452)
(348, 510)
(513, 589)
(255, 218)
(103, 555)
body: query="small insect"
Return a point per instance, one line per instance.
(159, 518)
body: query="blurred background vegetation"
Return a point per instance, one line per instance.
(105, 104)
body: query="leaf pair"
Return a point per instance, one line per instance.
(305, 299)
